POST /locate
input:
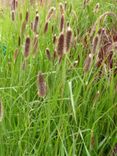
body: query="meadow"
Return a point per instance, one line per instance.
(58, 78)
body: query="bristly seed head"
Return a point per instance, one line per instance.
(50, 13)
(23, 27)
(16, 3)
(42, 88)
(36, 23)
(88, 62)
(46, 27)
(27, 16)
(61, 45)
(54, 54)
(68, 39)
(19, 41)
(13, 15)
(27, 47)
(95, 43)
(62, 9)
(96, 9)
(48, 53)
(54, 39)
(13, 5)
(62, 23)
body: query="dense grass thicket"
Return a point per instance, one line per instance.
(58, 78)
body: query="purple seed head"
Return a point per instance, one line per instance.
(61, 45)
(62, 23)
(27, 47)
(36, 22)
(87, 63)
(27, 16)
(95, 43)
(42, 88)
(13, 5)
(68, 39)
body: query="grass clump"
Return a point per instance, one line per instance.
(58, 78)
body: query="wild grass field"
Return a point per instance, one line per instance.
(58, 78)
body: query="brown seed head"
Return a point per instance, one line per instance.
(50, 13)
(54, 39)
(96, 8)
(19, 41)
(36, 23)
(42, 88)
(62, 23)
(13, 5)
(95, 43)
(27, 16)
(23, 27)
(16, 3)
(46, 27)
(88, 62)
(62, 9)
(68, 39)
(61, 44)
(13, 15)
(27, 47)
(48, 53)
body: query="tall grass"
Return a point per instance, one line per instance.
(58, 98)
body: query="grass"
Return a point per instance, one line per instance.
(78, 114)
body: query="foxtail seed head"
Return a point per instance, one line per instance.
(62, 9)
(42, 88)
(62, 23)
(48, 53)
(54, 39)
(88, 62)
(68, 39)
(27, 47)
(61, 45)
(36, 23)
(50, 13)
(23, 27)
(13, 5)
(13, 15)
(46, 27)
(27, 16)
(95, 43)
